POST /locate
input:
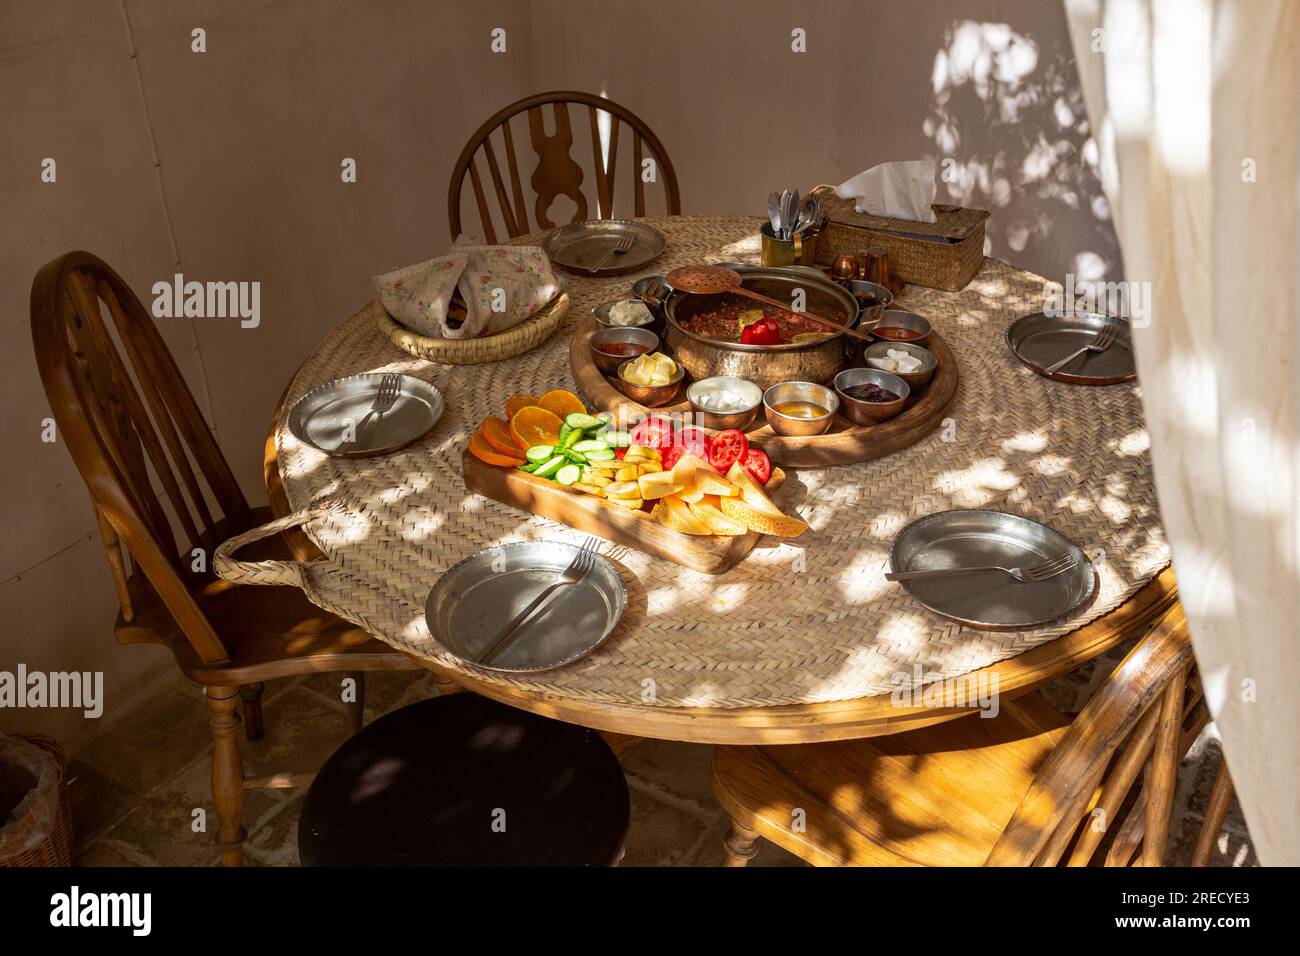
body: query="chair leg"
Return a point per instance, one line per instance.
(739, 845)
(1220, 800)
(250, 697)
(357, 708)
(227, 773)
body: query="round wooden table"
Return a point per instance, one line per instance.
(1146, 592)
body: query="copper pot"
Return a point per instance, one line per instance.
(764, 365)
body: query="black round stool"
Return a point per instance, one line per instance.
(465, 781)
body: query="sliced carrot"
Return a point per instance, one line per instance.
(480, 449)
(516, 402)
(497, 433)
(535, 426)
(561, 403)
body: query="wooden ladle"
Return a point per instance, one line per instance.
(711, 280)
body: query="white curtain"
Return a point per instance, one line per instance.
(1195, 105)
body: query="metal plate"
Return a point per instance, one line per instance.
(580, 245)
(1040, 340)
(323, 416)
(991, 599)
(476, 598)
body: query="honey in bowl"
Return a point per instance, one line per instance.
(803, 410)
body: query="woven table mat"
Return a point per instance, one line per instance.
(800, 621)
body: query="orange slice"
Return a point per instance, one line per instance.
(480, 449)
(517, 402)
(497, 433)
(561, 403)
(535, 426)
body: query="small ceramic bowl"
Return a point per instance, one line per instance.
(608, 362)
(601, 312)
(893, 318)
(651, 396)
(800, 392)
(879, 350)
(700, 392)
(870, 413)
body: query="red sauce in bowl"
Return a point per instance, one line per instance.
(897, 333)
(627, 349)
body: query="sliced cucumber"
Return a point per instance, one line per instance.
(551, 467)
(569, 439)
(577, 457)
(565, 431)
(568, 474)
(600, 454)
(583, 421)
(616, 439)
(540, 453)
(590, 444)
(530, 468)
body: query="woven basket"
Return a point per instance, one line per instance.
(939, 255)
(15, 785)
(527, 335)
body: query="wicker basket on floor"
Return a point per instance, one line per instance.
(51, 810)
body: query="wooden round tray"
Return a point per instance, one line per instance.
(844, 444)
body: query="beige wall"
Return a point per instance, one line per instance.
(251, 134)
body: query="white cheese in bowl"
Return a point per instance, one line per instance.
(629, 312)
(896, 360)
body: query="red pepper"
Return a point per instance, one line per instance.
(763, 332)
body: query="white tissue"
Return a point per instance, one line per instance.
(898, 190)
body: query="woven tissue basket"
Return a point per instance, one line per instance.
(939, 255)
(527, 335)
(30, 807)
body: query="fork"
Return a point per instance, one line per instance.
(1100, 343)
(1028, 575)
(624, 244)
(577, 570)
(385, 399)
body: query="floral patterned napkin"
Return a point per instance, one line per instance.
(498, 286)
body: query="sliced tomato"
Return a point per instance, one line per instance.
(670, 456)
(758, 465)
(620, 453)
(656, 433)
(727, 448)
(694, 440)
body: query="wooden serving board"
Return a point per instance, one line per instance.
(712, 554)
(844, 444)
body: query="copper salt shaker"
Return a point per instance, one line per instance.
(844, 268)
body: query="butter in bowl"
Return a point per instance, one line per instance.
(652, 379)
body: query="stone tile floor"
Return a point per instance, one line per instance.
(141, 792)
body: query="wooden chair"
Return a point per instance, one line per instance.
(467, 781)
(1027, 787)
(556, 172)
(154, 470)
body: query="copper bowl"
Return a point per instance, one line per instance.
(895, 318)
(651, 396)
(699, 392)
(870, 413)
(921, 376)
(764, 365)
(800, 392)
(632, 335)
